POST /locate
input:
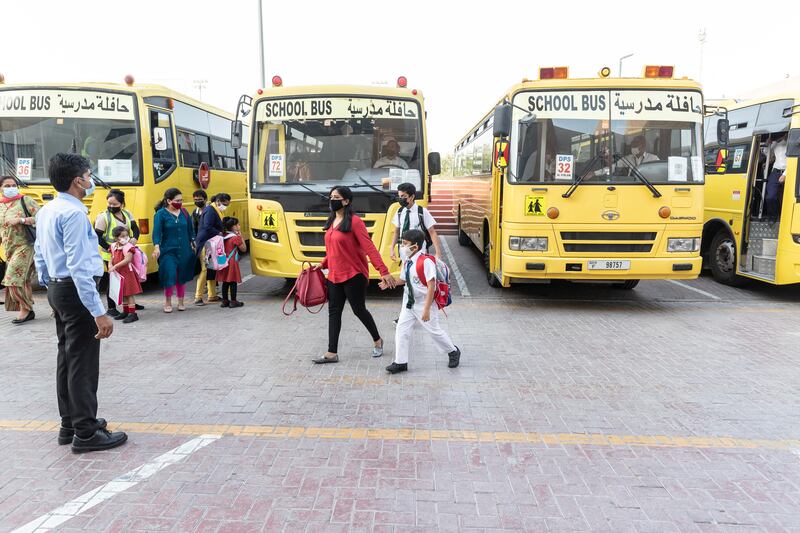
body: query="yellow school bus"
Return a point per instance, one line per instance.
(586, 179)
(141, 139)
(752, 222)
(305, 140)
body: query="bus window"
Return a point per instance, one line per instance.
(163, 160)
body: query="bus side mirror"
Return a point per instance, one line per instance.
(236, 134)
(723, 129)
(502, 120)
(434, 163)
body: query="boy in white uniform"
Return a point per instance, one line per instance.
(417, 306)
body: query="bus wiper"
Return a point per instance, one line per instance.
(98, 180)
(374, 188)
(637, 173)
(589, 170)
(311, 190)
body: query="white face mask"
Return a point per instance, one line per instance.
(406, 252)
(124, 240)
(222, 207)
(10, 192)
(636, 150)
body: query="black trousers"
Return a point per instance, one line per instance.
(354, 290)
(229, 287)
(78, 367)
(774, 194)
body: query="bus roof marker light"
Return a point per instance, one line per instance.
(414, 92)
(658, 71)
(605, 72)
(546, 73)
(277, 81)
(402, 82)
(260, 91)
(129, 80)
(665, 71)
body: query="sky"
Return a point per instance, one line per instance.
(462, 55)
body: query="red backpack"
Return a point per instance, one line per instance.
(309, 290)
(442, 295)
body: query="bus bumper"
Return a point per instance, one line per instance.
(276, 260)
(518, 268)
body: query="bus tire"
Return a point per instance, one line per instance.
(491, 279)
(627, 285)
(722, 257)
(463, 238)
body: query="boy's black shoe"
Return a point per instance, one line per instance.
(236, 303)
(455, 357)
(394, 368)
(65, 434)
(396, 320)
(120, 316)
(139, 307)
(101, 440)
(225, 303)
(132, 317)
(113, 313)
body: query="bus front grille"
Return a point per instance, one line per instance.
(607, 247)
(620, 242)
(311, 238)
(608, 235)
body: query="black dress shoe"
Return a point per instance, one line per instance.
(65, 434)
(455, 357)
(113, 313)
(132, 317)
(101, 440)
(30, 316)
(139, 307)
(394, 368)
(121, 316)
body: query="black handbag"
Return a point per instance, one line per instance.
(30, 233)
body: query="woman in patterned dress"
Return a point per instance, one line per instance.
(17, 212)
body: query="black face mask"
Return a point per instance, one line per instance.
(114, 210)
(336, 205)
(403, 202)
(200, 203)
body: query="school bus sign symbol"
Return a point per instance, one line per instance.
(534, 206)
(501, 154)
(270, 220)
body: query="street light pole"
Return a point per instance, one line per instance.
(261, 43)
(619, 73)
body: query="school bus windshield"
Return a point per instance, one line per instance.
(321, 142)
(36, 124)
(608, 137)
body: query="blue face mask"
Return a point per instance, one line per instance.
(10, 192)
(90, 190)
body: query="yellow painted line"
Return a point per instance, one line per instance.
(409, 434)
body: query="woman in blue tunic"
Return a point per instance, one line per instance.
(173, 237)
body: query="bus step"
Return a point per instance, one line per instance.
(764, 266)
(769, 247)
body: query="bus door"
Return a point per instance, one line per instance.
(759, 230)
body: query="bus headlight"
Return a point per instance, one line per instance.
(268, 236)
(796, 238)
(528, 244)
(683, 244)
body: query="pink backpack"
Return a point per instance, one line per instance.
(214, 253)
(139, 263)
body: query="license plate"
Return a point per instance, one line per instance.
(609, 264)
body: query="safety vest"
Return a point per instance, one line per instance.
(111, 223)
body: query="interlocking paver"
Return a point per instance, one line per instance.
(556, 366)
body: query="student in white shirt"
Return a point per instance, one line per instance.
(774, 192)
(408, 217)
(418, 308)
(391, 156)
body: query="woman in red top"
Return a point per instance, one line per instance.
(347, 245)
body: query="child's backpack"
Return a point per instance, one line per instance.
(442, 295)
(139, 263)
(214, 253)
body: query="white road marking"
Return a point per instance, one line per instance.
(462, 285)
(248, 278)
(86, 501)
(685, 286)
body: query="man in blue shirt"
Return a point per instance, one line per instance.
(69, 265)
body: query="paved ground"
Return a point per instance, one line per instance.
(672, 407)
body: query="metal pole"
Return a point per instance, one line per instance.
(261, 44)
(619, 72)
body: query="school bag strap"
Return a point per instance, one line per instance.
(309, 290)
(421, 215)
(30, 233)
(421, 268)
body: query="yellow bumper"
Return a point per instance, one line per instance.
(533, 266)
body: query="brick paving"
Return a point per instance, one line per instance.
(653, 362)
